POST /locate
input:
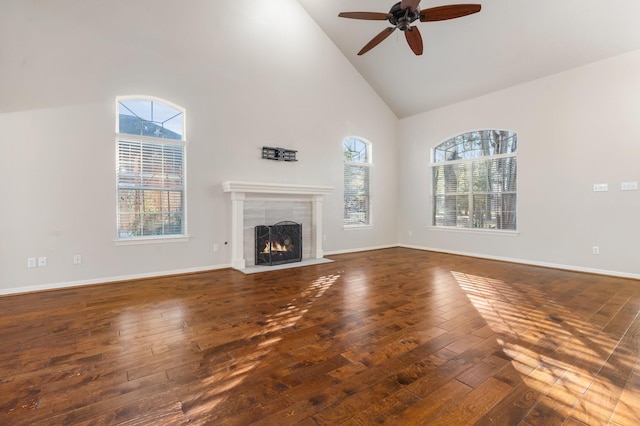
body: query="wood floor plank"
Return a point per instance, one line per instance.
(427, 409)
(599, 401)
(626, 411)
(470, 408)
(393, 336)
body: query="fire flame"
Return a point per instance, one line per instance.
(274, 246)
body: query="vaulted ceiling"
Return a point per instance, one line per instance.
(508, 43)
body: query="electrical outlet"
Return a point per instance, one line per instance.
(216, 247)
(629, 186)
(31, 262)
(600, 187)
(77, 259)
(42, 261)
(596, 250)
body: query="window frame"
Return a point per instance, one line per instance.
(366, 165)
(145, 141)
(485, 159)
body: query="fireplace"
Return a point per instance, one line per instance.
(249, 198)
(279, 243)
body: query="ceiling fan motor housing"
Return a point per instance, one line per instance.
(402, 18)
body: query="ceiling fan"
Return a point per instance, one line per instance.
(403, 14)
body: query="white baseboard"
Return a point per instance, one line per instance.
(356, 250)
(80, 283)
(528, 262)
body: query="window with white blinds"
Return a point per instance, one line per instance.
(474, 181)
(357, 182)
(151, 181)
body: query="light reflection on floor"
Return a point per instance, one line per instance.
(217, 385)
(579, 367)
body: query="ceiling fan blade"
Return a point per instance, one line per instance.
(377, 40)
(412, 4)
(414, 39)
(371, 16)
(452, 11)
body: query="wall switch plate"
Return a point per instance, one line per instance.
(216, 247)
(77, 259)
(629, 186)
(31, 262)
(600, 187)
(42, 261)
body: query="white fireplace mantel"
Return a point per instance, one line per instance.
(241, 191)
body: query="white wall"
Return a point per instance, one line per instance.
(574, 129)
(248, 73)
(262, 73)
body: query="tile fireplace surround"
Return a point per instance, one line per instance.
(252, 195)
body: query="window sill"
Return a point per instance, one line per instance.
(152, 240)
(474, 231)
(356, 227)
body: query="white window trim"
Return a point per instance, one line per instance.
(498, 232)
(149, 139)
(151, 239)
(370, 224)
(153, 99)
(369, 164)
(470, 160)
(357, 227)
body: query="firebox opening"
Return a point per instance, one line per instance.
(279, 243)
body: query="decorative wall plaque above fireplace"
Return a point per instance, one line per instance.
(279, 243)
(280, 154)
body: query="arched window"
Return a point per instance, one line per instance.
(151, 181)
(474, 177)
(357, 182)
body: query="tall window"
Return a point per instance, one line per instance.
(475, 181)
(150, 168)
(357, 182)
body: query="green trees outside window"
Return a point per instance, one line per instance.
(474, 181)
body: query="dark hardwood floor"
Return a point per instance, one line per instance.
(394, 336)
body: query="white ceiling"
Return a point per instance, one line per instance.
(509, 42)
